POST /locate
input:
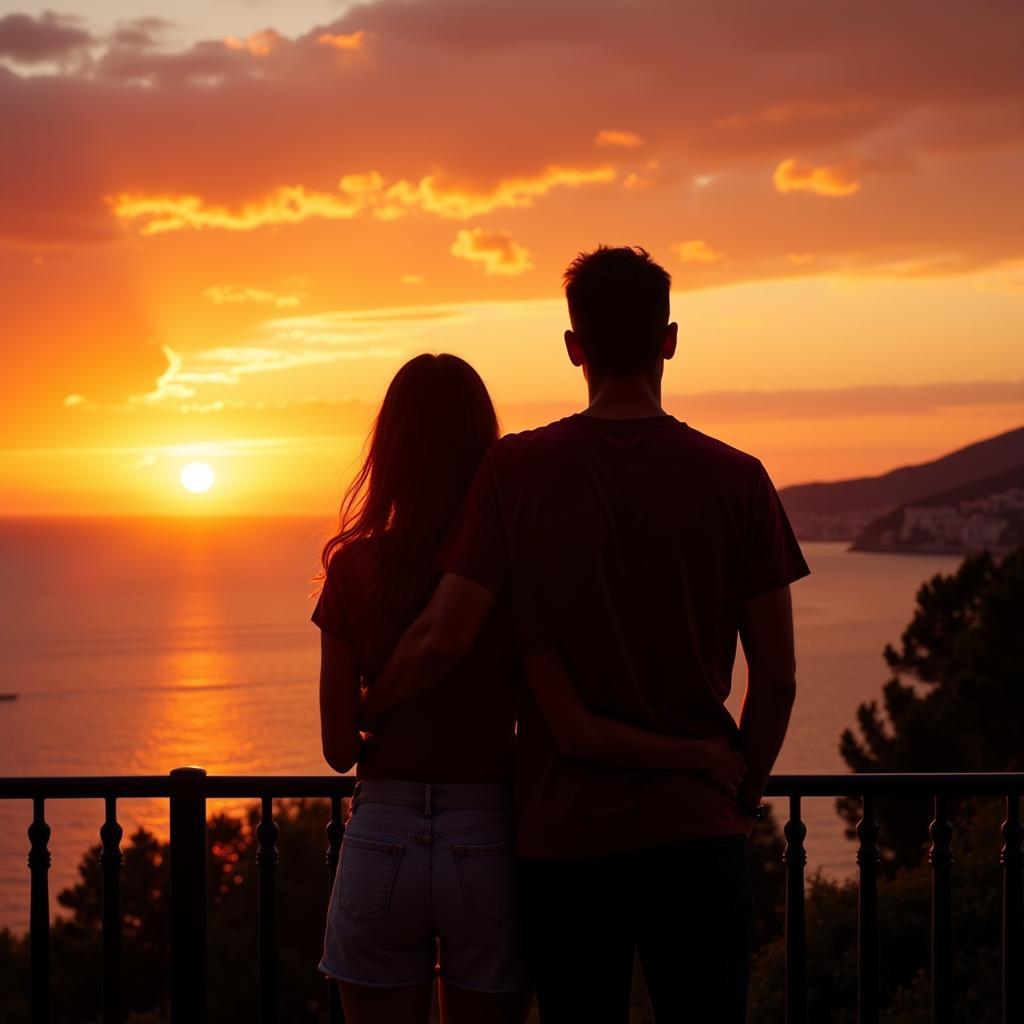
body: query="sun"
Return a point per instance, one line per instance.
(197, 477)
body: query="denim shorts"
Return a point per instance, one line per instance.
(426, 885)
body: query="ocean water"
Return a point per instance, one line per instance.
(136, 646)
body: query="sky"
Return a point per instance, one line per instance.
(221, 233)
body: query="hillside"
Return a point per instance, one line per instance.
(987, 513)
(844, 509)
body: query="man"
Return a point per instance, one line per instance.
(633, 550)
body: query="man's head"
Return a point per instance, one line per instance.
(618, 307)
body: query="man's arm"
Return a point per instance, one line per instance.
(766, 632)
(339, 703)
(441, 635)
(580, 733)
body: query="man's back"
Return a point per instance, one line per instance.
(628, 546)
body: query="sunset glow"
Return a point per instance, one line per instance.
(274, 208)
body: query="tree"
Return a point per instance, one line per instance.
(962, 708)
(232, 926)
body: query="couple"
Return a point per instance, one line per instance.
(526, 648)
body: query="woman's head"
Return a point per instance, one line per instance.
(434, 425)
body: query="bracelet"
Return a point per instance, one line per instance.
(757, 813)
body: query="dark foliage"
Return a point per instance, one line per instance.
(232, 902)
(962, 711)
(961, 707)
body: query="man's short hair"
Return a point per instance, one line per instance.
(619, 307)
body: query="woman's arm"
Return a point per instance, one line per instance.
(580, 733)
(339, 703)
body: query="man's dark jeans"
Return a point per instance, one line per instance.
(685, 908)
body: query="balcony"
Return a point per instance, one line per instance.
(188, 789)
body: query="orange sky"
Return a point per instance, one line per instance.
(218, 244)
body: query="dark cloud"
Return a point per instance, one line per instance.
(477, 93)
(806, 403)
(48, 37)
(140, 33)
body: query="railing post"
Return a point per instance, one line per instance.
(111, 860)
(941, 858)
(39, 913)
(867, 913)
(188, 896)
(795, 858)
(266, 866)
(1013, 913)
(335, 834)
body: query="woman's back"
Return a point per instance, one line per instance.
(461, 731)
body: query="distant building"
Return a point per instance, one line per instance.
(994, 522)
(983, 532)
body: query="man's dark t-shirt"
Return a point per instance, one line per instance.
(628, 546)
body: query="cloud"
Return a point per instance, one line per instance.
(807, 403)
(627, 140)
(794, 175)
(181, 384)
(194, 381)
(140, 33)
(288, 204)
(203, 136)
(696, 250)
(342, 41)
(357, 193)
(29, 40)
(463, 203)
(496, 250)
(227, 294)
(259, 44)
(225, 448)
(799, 112)
(867, 401)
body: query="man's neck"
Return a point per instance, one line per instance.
(624, 398)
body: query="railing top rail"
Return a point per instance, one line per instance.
(898, 784)
(100, 786)
(895, 784)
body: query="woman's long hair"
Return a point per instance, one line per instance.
(434, 425)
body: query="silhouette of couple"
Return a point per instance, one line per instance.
(526, 648)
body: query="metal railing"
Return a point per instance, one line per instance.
(188, 789)
(940, 788)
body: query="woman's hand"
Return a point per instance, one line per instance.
(722, 763)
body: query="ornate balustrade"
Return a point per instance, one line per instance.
(188, 789)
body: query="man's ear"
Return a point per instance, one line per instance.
(668, 346)
(574, 349)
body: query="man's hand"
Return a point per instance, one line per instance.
(723, 764)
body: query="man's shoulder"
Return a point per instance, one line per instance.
(716, 450)
(561, 438)
(527, 443)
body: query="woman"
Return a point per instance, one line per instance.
(426, 869)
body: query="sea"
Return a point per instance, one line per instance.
(138, 645)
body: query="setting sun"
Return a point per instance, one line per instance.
(197, 477)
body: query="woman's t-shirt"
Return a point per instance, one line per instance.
(462, 730)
